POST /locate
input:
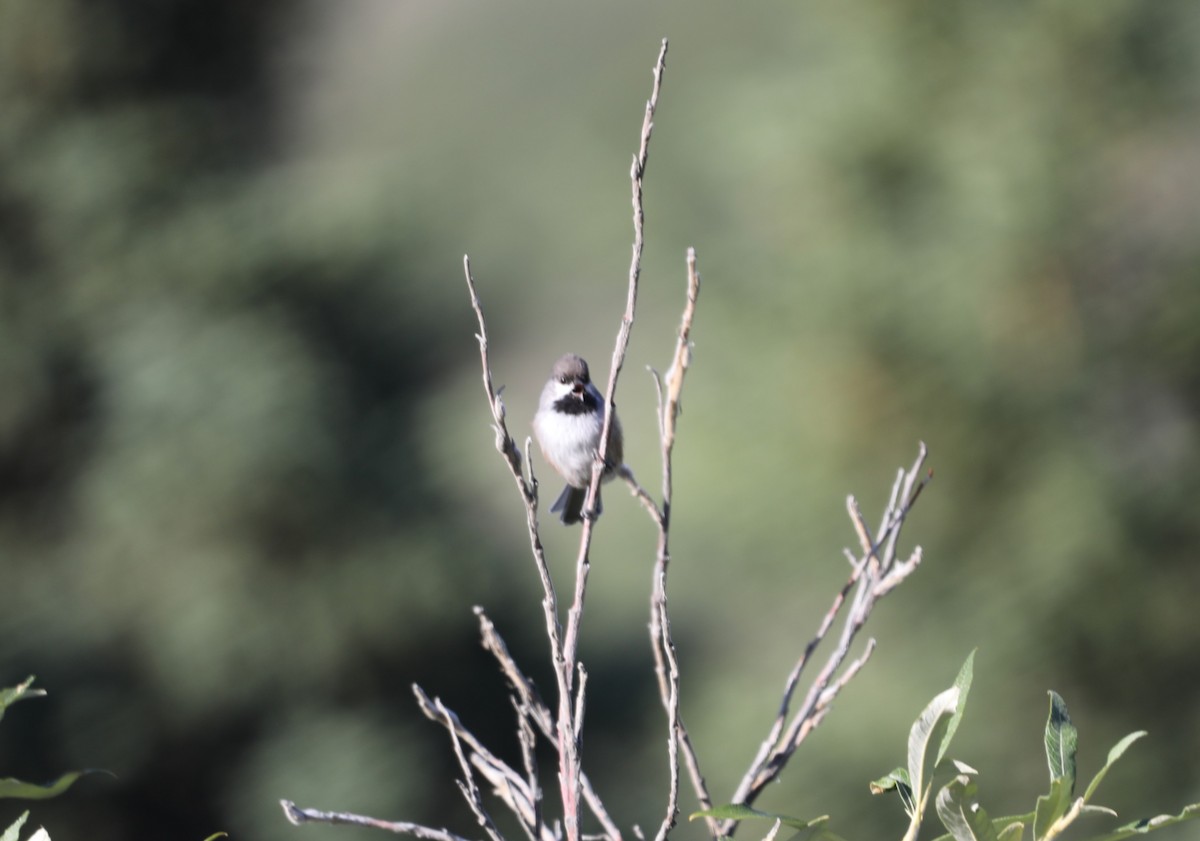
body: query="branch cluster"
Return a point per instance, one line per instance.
(875, 569)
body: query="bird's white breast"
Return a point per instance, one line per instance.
(569, 442)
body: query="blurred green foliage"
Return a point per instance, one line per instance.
(247, 491)
(12, 788)
(932, 782)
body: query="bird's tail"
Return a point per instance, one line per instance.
(570, 504)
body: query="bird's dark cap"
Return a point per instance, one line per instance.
(571, 367)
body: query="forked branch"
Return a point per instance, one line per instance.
(875, 571)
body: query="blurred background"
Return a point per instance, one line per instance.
(248, 493)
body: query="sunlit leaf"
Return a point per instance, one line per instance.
(1148, 824)
(13, 833)
(1051, 807)
(963, 684)
(1062, 740)
(1008, 828)
(741, 812)
(813, 829)
(20, 692)
(1113, 755)
(898, 781)
(894, 778)
(958, 807)
(927, 730)
(10, 787)
(1012, 832)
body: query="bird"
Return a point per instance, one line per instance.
(568, 425)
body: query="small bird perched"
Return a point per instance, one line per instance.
(568, 425)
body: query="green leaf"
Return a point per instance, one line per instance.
(217, 835)
(1012, 832)
(960, 812)
(893, 779)
(1051, 807)
(927, 730)
(14, 830)
(20, 692)
(741, 812)
(31, 791)
(963, 684)
(814, 828)
(1008, 828)
(897, 780)
(1062, 740)
(1148, 824)
(947, 772)
(1113, 755)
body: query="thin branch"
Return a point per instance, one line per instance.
(640, 493)
(521, 801)
(539, 713)
(528, 742)
(672, 705)
(793, 680)
(825, 701)
(852, 669)
(670, 391)
(899, 573)
(568, 758)
(523, 686)
(507, 783)
(580, 694)
(637, 173)
(662, 646)
(522, 794)
(504, 442)
(299, 816)
(681, 360)
(567, 731)
(876, 571)
(467, 784)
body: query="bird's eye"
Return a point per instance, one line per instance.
(564, 379)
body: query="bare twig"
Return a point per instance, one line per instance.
(673, 724)
(637, 173)
(580, 695)
(640, 493)
(851, 670)
(528, 742)
(299, 816)
(539, 714)
(507, 783)
(876, 571)
(661, 643)
(569, 746)
(521, 792)
(566, 744)
(523, 686)
(793, 680)
(467, 785)
(519, 800)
